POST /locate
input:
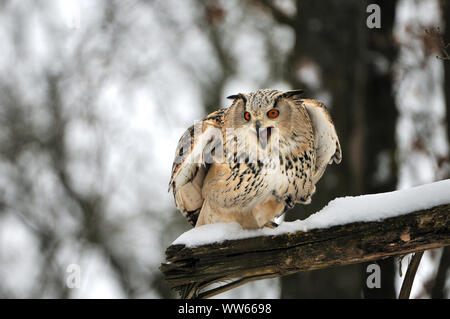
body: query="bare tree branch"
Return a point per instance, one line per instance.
(438, 39)
(405, 291)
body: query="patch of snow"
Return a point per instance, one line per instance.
(339, 211)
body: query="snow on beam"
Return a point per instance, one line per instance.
(349, 230)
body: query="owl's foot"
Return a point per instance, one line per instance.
(289, 203)
(306, 199)
(271, 224)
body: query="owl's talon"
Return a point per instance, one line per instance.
(289, 202)
(271, 224)
(306, 200)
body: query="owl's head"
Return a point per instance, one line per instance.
(264, 112)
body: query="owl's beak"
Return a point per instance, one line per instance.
(257, 127)
(263, 134)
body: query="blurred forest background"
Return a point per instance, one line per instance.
(95, 94)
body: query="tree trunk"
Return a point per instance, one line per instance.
(438, 290)
(363, 109)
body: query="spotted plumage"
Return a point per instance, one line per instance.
(251, 162)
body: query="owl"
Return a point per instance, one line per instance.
(253, 161)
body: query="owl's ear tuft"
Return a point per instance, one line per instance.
(237, 96)
(291, 93)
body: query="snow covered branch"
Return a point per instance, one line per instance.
(348, 230)
(191, 269)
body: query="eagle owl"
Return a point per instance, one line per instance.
(253, 161)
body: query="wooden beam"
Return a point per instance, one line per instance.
(190, 270)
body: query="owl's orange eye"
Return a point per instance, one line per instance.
(247, 116)
(273, 113)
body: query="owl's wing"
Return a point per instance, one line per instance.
(190, 165)
(326, 141)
